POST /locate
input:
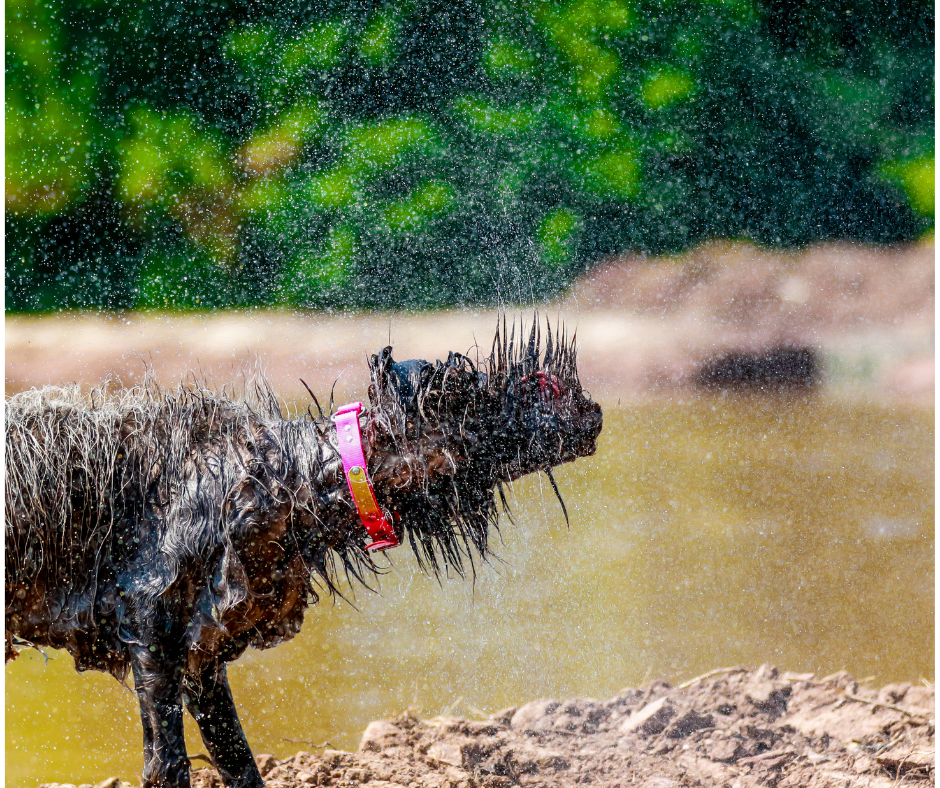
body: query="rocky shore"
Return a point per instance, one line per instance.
(730, 727)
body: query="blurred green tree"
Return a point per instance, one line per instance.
(421, 153)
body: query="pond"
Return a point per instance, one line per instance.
(705, 533)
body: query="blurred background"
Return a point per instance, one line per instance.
(202, 154)
(732, 202)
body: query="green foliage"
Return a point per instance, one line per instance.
(428, 200)
(180, 276)
(556, 233)
(917, 177)
(310, 279)
(49, 133)
(419, 153)
(376, 44)
(665, 87)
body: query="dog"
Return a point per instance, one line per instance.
(161, 533)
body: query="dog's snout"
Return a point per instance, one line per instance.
(596, 419)
(592, 423)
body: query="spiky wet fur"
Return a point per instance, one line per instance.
(166, 531)
(167, 482)
(482, 416)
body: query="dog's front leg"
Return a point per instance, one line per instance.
(157, 663)
(209, 699)
(148, 737)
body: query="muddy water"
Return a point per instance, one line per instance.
(703, 534)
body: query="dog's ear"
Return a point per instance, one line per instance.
(380, 365)
(382, 362)
(409, 379)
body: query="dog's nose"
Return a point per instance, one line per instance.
(595, 420)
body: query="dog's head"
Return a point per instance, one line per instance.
(418, 430)
(519, 411)
(445, 437)
(538, 415)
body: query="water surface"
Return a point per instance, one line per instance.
(703, 534)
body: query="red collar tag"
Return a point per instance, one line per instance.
(349, 439)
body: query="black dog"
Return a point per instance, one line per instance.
(164, 533)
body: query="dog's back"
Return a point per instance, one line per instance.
(101, 485)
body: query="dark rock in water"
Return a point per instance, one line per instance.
(764, 370)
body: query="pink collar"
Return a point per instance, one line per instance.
(349, 439)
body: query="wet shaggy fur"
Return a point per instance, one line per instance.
(163, 532)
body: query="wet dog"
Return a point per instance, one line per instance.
(162, 533)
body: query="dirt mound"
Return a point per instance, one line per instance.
(835, 286)
(867, 312)
(732, 727)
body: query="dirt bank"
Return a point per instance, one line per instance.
(644, 327)
(731, 727)
(734, 727)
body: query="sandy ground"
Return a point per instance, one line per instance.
(644, 327)
(732, 727)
